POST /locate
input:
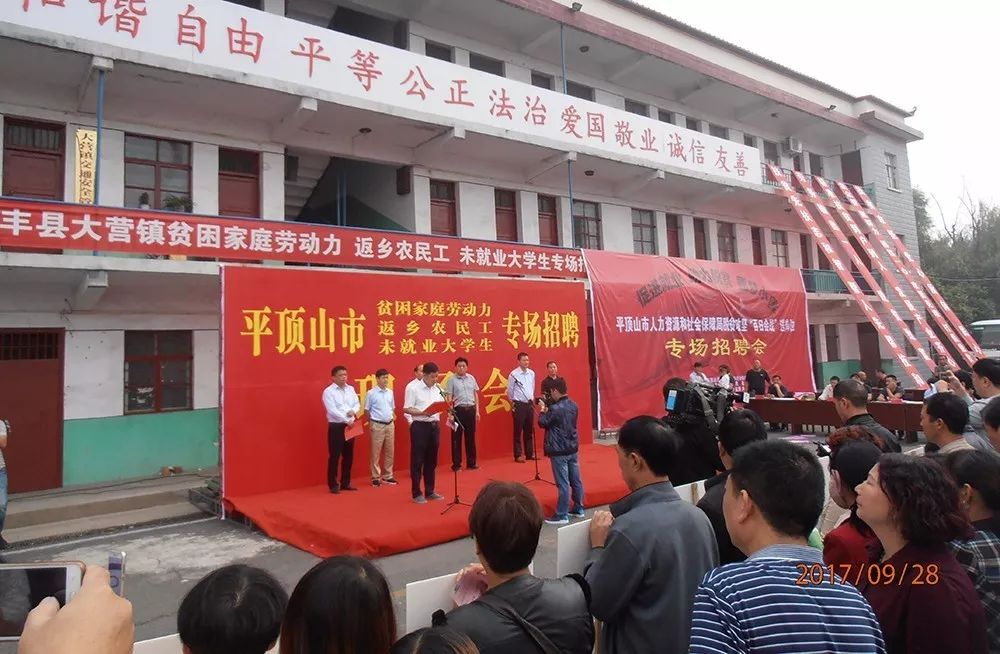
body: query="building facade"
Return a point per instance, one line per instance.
(579, 125)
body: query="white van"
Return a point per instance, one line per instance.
(987, 334)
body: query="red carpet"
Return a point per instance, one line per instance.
(375, 522)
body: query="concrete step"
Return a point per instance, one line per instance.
(68, 511)
(97, 523)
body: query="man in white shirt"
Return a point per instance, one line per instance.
(725, 378)
(521, 393)
(342, 407)
(380, 405)
(698, 375)
(425, 433)
(827, 393)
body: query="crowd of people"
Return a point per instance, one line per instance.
(895, 553)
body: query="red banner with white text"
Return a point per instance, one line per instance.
(284, 330)
(51, 226)
(654, 317)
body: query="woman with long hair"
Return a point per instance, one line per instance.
(922, 597)
(341, 606)
(978, 477)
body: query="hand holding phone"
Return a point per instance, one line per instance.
(96, 622)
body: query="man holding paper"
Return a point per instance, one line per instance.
(425, 402)
(342, 407)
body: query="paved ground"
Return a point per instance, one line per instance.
(165, 562)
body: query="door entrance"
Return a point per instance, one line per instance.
(31, 399)
(868, 346)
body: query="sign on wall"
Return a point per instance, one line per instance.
(255, 47)
(284, 330)
(654, 317)
(42, 225)
(85, 175)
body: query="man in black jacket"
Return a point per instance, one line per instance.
(850, 397)
(558, 419)
(519, 613)
(737, 429)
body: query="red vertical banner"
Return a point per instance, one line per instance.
(654, 317)
(284, 330)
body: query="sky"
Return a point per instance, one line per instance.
(940, 57)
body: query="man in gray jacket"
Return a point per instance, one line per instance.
(650, 552)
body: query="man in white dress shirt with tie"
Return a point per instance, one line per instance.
(342, 407)
(425, 433)
(521, 393)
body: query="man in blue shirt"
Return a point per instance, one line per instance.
(380, 405)
(782, 598)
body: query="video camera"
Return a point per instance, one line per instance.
(699, 403)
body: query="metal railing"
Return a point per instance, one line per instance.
(827, 281)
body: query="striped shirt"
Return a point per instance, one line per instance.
(758, 606)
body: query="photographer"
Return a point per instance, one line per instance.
(698, 455)
(558, 417)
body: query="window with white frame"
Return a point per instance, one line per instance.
(891, 172)
(643, 231)
(779, 247)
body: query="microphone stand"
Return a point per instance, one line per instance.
(534, 455)
(454, 472)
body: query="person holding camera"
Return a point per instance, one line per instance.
(553, 374)
(697, 456)
(558, 418)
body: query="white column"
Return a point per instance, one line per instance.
(712, 229)
(205, 178)
(565, 212)
(417, 44)
(820, 332)
(744, 243)
(477, 213)
(519, 73)
(609, 99)
(736, 135)
(794, 251)
(765, 243)
(421, 204)
(205, 394)
(274, 7)
(272, 186)
(661, 233)
(527, 216)
(461, 57)
(849, 347)
(69, 162)
(814, 252)
(112, 168)
(616, 223)
(687, 237)
(703, 126)
(680, 120)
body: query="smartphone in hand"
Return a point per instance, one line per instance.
(24, 585)
(116, 568)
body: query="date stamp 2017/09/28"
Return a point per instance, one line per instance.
(876, 574)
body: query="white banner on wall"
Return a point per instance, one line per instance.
(212, 37)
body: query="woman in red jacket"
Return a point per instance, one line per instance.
(922, 597)
(847, 548)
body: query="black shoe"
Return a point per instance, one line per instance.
(3, 543)
(391, 481)
(531, 458)
(376, 483)
(335, 491)
(472, 467)
(348, 488)
(456, 468)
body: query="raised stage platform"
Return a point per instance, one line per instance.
(376, 522)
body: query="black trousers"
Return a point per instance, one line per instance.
(338, 448)
(425, 437)
(466, 429)
(524, 427)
